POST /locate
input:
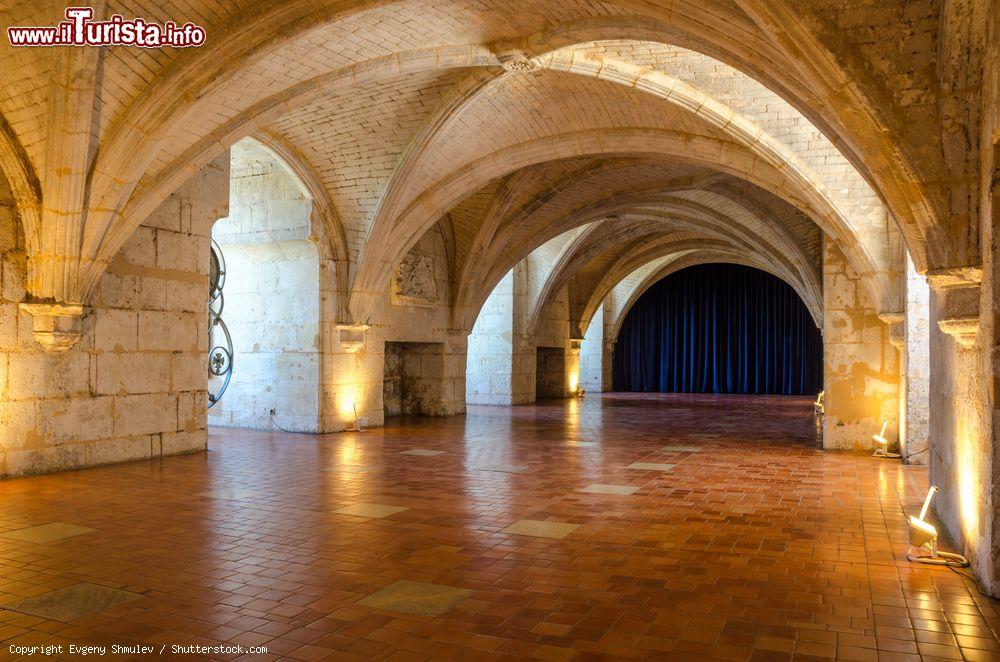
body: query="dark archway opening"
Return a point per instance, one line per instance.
(719, 328)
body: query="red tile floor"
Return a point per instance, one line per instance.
(754, 545)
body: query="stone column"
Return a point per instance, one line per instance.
(915, 370)
(454, 358)
(592, 354)
(351, 378)
(522, 378)
(572, 362)
(490, 346)
(961, 447)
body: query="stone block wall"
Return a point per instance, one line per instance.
(959, 462)
(592, 355)
(989, 565)
(552, 335)
(272, 297)
(860, 365)
(421, 379)
(550, 373)
(272, 311)
(504, 360)
(491, 345)
(134, 386)
(915, 370)
(410, 315)
(965, 376)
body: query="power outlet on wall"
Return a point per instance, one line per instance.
(271, 412)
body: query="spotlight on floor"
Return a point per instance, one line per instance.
(357, 421)
(924, 536)
(882, 450)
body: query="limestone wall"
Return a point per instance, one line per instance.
(488, 376)
(272, 297)
(989, 568)
(272, 311)
(550, 372)
(134, 386)
(965, 366)
(860, 365)
(959, 452)
(592, 354)
(417, 312)
(915, 370)
(553, 332)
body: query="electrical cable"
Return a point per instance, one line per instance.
(971, 579)
(951, 565)
(274, 423)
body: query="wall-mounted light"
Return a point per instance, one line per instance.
(818, 405)
(882, 449)
(924, 536)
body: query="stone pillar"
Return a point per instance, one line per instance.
(915, 370)
(592, 354)
(860, 364)
(574, 349)
(350, 372)
(607, 365)
(523, 364)
(455, 359)
(490, 347)
(961, 446)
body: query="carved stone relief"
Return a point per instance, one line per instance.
(414, 284)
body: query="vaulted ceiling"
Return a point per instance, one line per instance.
(735, 127)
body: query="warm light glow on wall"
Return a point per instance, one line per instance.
(346, 398)
(969, 464)
(574, 381)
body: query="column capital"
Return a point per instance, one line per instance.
(352, 336)
(897, 328)
(56, 326)
(957, 290)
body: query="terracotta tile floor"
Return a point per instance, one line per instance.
(756, 546)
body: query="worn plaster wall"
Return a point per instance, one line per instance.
(272, 298)
(915, 370)
(134, 386)
(860, 365)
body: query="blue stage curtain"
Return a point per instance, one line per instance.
(719, 328)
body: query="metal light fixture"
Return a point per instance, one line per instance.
(924, 536)
(882, 450)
